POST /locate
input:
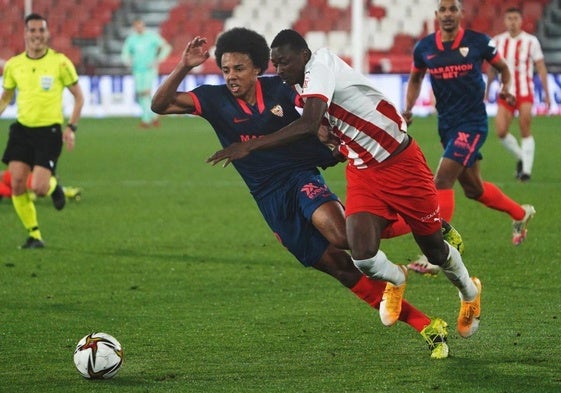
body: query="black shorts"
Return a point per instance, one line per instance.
(34, 145)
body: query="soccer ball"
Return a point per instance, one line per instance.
(98, 356)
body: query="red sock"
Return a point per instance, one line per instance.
(6, 178)
(5, 191)
(446, 202)
(6, 185)
(371, 292)
(396, 228)
(494, 198)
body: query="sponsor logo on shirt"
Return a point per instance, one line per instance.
(451, 71)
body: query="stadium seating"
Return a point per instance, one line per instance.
(94, 38)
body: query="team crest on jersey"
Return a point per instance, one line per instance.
(277, 111)
(464, 50)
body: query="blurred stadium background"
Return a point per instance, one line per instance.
(91, 32)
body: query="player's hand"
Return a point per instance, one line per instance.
(69, 138)
(233, 152)
(195, 53)
(408, 116)
(509, 98)
(327, 137)
(547, 102)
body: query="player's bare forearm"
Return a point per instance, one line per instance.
(542, 72)
(167, 100)
(308, 124)
(164, 100)
(5, 100)
(296, 130)
(413, 91)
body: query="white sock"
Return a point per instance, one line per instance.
(528, 148)
(511, 144)
(379, 267)
(458, 275)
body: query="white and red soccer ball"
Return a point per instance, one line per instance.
(98, 356)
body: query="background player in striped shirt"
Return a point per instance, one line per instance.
(521, 52)
(387, 174)
(306, 217)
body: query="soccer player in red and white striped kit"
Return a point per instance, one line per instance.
(521, 51)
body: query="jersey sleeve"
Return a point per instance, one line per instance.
(418, 61)
(319, 81)
(8, 82)
(537, 53)
(68, 73)
(489, 48)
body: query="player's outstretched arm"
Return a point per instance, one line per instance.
(167, 99)
(309, 123)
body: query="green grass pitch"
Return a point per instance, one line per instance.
(171, 256)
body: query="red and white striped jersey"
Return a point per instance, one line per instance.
(369, 126)
(520, 53)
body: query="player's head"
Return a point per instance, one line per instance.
(449, 15)
(289, 55)
(36, 34)
(513, 20)
(138, 25)
(243, 41)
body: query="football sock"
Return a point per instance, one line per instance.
(5, 190)
(381, 268)
(456, 272)
(447, 202)
(528, 148)
(147, 114)
(371, 292)
(52, 185)
(494, 198)
(511, 144)
(6, 178)
(27, 214)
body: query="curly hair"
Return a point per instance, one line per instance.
(242, 40)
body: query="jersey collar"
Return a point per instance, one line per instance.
(456, 42)
(258, 97)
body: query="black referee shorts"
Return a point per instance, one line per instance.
(34, 145)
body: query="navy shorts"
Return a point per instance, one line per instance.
(37, 146)
(288, 211)
(462, 144)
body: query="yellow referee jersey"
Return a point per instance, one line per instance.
(39, 84)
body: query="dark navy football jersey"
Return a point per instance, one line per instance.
(234, 120)
(456, 75)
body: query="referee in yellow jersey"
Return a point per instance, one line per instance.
(40, 75)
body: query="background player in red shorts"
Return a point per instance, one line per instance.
(521, 52)
(387, 174)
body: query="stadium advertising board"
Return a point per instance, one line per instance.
(110, 96)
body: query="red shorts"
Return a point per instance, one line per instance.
(519, 101)
(402, 184)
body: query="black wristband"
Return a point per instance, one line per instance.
(73, 127)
